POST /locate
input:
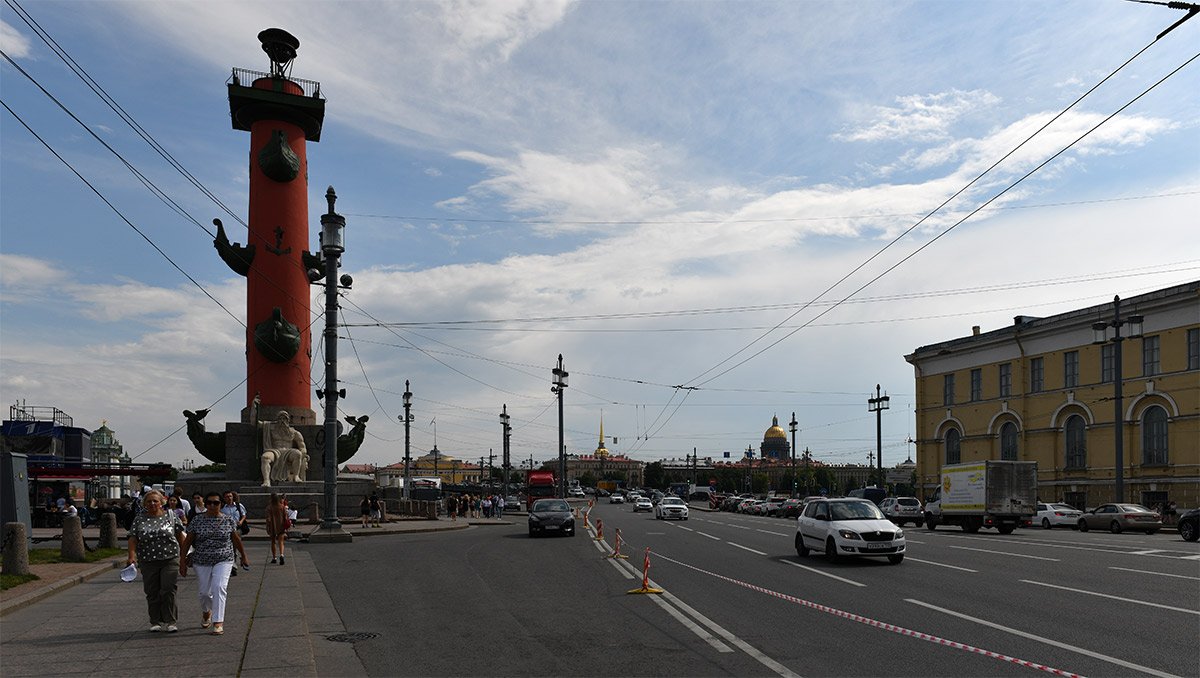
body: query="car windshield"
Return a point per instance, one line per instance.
(907, 501)
(550, 506)
(854, 510)
(1062, 507)
(672, 500)
(1134, 508)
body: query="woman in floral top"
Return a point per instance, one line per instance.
(154, 541)
(215, 536)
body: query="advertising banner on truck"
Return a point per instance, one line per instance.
(963, 488)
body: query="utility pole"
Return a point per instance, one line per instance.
(407, 455)
(1135, 330)
(877, 405)
(560, 384)
(506, 465)
(792, 427)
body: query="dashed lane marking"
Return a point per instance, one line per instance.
(705, 534)
(930, 562)
(1047, 641)
(1005, 553)
(781, 534)
(746, 548)
(1161, 574)
(691, 625)
(1111, 597)
(823, 574)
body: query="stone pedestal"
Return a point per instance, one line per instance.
(323, 535)
(244, 441)
(108, 531)
(16, 549)
(72, 540)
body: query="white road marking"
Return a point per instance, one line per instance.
(781, 534)
(705, 534)
(746, 548)
(1047, 641)
(1114, 549)
(1161, 574)
(911, 541)
(624, 572)
(1190, 558)
(823, 574)
(691, 625)
(1146, 553)
(1004, 553)
(1105, 595)
(930, 562)
(685, 528)
(742, 645)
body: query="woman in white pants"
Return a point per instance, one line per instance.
(215, 537)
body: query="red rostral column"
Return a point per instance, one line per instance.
(282, 114)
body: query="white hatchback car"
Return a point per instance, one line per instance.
(642, 504)
(1057, 515)
(848, 527)
(616, 498)
(671, 507)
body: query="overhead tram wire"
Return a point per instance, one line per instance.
(960, 221)
(922, 220)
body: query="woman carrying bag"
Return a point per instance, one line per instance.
(215, 537)
(155, 540)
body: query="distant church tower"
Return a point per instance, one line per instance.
(775, 444)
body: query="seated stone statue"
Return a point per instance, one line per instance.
(284, 454)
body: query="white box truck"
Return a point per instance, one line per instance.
(992, 493)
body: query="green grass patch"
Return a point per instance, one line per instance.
(46, 556)
(7, 581)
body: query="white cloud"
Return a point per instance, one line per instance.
(481, 26)
(13, 42)
(920, 117)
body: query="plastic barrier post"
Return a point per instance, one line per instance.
(617, 549)
(646, 588)
(599, 530)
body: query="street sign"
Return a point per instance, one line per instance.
(898, 476)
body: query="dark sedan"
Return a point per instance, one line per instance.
(1189, 525)
(551, 516)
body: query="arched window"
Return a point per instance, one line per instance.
(1008, 441)
(953, 448)
(1076, 430)
(1154, 435)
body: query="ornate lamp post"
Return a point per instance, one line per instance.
(332, 246)
(408, 417)
(1101, 331)
(877, 405)
(560, 383)
(792, 428)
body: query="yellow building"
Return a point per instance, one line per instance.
(1042, 390)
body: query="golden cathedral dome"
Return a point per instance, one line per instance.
(775, 431)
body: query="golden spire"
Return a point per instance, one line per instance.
(601, 451)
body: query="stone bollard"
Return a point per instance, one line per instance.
(72, 540)
(16, 549)
(108, 531)
(316, 513)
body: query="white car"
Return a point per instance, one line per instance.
(643, 504)
(848, 527)
(1057, 515)
(575, 492)
(671, 507)
(616, 498)
(902, 510)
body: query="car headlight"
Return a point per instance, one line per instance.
(533, 518)
(899, 534)
(849, 534)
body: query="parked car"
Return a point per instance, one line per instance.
(848, 527)
(671, 507)
(616, 498)
(643, 504)
(771, 506)
(1189, 525)
(1057, 515)
(1118, 517)
(791, 508)
(512, 503)
(551, 515)
(576, 492)
(901, 510)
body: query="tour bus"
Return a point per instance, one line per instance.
(875, 494)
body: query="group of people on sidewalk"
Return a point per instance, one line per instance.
(164, 545)
(474, 506)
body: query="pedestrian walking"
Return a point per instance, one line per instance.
(376, 511)
(452, 507)
(487, 506)
(277, 524)
(155, 539)
(364, 510)
(197, 506)
(215, 537)
(174, 507)
(500, 505)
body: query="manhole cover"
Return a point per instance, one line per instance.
(352, 637)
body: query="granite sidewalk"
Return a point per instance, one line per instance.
(278, 622)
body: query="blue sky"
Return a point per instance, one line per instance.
(614, 163)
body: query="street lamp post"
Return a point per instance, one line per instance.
(792, 428)
(1101, 332)
(407, 456)
(749, 469)
(504, 418)
(560, 383)
(877, 405)
(332, 245)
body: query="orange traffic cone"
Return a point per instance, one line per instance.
(646, 588)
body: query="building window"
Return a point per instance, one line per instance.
(1149, 356)
(1076, 431)
(1037, 375)
(1193, 349)
(1071, 369)
(976, 384)
(1005, 380)
(1154, 436)
(1108, 363)
(953, 446)
(1075, 499)
(948, 389)
(1008, 441)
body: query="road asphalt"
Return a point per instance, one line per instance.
(279, 619)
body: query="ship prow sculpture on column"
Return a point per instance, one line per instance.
(279, 441)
